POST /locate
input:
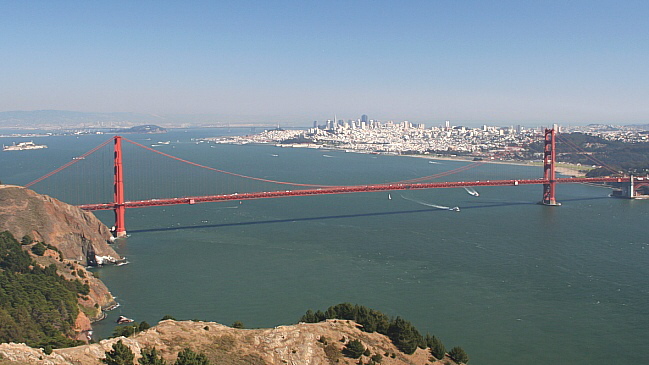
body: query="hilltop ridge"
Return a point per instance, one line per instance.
(304, 343)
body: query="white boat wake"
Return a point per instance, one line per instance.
(472, 191)
(455, 209)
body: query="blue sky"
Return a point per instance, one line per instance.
(299, 61)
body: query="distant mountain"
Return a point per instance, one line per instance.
(64, 118)
(141, 129)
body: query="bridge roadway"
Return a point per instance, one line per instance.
(342, 190)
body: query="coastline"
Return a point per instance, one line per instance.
(561, 168)
(564, 170)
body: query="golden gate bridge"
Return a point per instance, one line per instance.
(119, 203)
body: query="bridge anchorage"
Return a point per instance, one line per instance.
(637, 188)
(628, 187)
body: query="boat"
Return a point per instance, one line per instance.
(389, 197)
(164, 142)
(455, 209)
(122, 319)
(23, 146)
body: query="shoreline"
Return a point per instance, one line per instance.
(569, 171)
(572, 171)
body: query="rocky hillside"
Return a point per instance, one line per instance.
(79, 235)
(305, 343)
(76, 239)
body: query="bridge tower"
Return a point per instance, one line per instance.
(118, 191)
(549, 160)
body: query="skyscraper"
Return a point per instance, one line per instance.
(364, 119)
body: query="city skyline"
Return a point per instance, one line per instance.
(294, 62)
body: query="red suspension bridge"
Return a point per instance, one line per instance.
(119, 203)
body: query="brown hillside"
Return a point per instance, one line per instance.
(79, 235)
(304, 343)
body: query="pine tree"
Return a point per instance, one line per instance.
(151, 357)
(119, 355)
(189, 357)
(437, 348)
(458, 355)
(309, 317)
(404, 335)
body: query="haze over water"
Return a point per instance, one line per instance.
(508, 280)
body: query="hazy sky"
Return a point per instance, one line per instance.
(299, 61)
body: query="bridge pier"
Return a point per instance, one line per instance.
(118, 191)
(549, 174)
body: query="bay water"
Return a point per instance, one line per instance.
(506, 279)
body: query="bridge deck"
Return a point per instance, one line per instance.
(342, 190)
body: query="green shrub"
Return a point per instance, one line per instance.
(27, 240)
(125, 331)
(402, 333)
(143, 326)
(354, 349)
(39, 249)
(130, 329)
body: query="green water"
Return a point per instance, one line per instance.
(508, 280)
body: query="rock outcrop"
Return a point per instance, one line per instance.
(305, 343)
(79, 235)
